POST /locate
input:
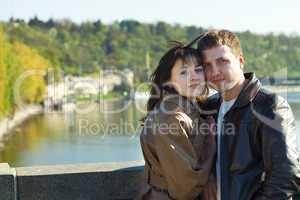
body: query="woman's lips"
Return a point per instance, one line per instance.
(193, 86)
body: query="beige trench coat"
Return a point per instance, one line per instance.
(177, 149)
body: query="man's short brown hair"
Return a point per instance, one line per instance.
(212, 39)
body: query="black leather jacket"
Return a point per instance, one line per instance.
(259, 159)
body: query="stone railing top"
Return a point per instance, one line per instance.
(76, 168)
(5, 169)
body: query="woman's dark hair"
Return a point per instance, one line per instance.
(162, 73)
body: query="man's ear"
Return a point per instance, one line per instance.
(242, 61)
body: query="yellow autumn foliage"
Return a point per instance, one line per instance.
(3, 55)
(17, 60)
(33, 87)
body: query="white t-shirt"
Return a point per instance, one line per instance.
(225, 107)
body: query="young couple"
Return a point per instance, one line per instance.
(249, 153)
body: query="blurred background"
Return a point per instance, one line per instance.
(73, 75)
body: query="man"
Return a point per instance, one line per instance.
(257, 157)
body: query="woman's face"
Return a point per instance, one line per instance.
(188, 78)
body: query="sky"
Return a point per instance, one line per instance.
(259, 16)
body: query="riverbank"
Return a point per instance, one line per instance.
(283, 88)
(9, 123)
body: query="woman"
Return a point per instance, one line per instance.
(177, 143)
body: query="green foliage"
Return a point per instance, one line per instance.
(87, 47)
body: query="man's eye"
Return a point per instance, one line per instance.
(224, 61)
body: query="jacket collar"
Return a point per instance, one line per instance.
(249, 91)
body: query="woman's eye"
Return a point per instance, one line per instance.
(183, 73)
(199, 70)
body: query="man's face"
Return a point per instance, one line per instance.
(223, 69)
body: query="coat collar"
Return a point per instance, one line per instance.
(249, 91)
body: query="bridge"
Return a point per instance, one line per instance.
(98, 181)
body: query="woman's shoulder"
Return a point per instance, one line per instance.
(171, 108)
(166, 115)
(167, 122)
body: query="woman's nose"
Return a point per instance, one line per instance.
(194, 75)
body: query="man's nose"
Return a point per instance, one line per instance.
(214, 70)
